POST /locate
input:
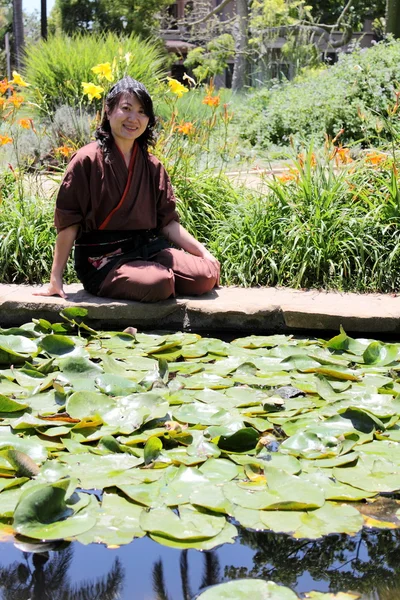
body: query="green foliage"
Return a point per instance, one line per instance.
(57, 67)
(353, 94)
(328, 229)
(181, 434)
(27, 239)
(121, 17)
(212, 60)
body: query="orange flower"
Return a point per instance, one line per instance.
(4, 86)
(302, 158)
(342, 156)
(2, 103)
(291, 175)
(212, 101)
(375, 158)
(4, 139)
(185, 128)
(64, 151)
(25, 123)
(15, 100)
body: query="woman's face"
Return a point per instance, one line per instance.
(127, 120)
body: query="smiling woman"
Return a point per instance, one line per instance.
(117, 202)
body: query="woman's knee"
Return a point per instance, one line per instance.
(139, 281)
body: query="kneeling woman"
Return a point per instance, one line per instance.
(117, 204)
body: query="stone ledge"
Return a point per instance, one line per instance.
(245, 310)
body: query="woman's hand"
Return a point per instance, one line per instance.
(55, 288)
(206, 254)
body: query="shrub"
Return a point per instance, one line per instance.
(58, 66)
(352, 94)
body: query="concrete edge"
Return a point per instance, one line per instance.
(244, 310)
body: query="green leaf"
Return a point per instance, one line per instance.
(117, 522)
(44, 513)
(152, 449)
(86, 404)
(258, 589)
(15, 349)
(381, 354)
(188, 525)
(57, 345)
(7, 405)
(240, 441)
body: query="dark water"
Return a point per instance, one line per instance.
(368, 563)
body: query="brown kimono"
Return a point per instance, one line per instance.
(119, 251)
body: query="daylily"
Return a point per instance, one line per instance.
(17, 80)
(212, 101)
(185, 128)
(4, 86)
(4, 139)
(103, 70)
(25, 123)
(64, 150)
(176, 87)
(15, 100)
(92, 90)
(375, 158)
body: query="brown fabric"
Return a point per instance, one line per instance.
(92, 188)
(170, 272)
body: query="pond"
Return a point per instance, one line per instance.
(367, 563)
(277, 458)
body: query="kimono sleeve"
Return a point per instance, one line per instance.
(166, 201)
(73, 197)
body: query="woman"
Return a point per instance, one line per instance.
(117, 202)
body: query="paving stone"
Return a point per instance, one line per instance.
(229, 309)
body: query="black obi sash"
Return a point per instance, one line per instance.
(98, 252)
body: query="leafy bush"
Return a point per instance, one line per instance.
(58, 66)
(352, 94)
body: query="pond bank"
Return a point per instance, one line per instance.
(228, 309)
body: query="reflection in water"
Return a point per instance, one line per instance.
(44, 576)
(211, 575)
(367, 563)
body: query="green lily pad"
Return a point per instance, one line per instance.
(117, 523)
(189, 524)
(15, 349)
(258, 589)
(43, 512)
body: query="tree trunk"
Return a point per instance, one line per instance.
(18, 28)
(241, 34)
(393, 17)
(43, 19)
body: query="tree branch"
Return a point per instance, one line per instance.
(213, 12)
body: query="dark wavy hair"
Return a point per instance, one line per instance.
(127, 85)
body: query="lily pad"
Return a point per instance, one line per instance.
(258, 589)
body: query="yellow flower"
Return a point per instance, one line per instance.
(92, 90)
(103, 70)
(25, 123)
(4, 139)
(176, 87)
(17, 80)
